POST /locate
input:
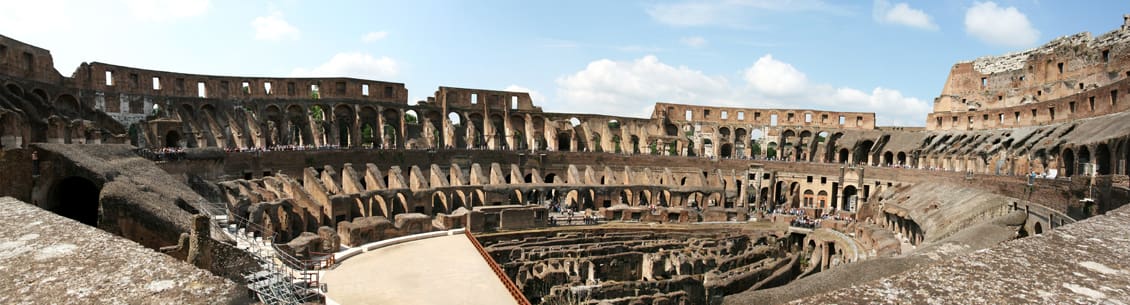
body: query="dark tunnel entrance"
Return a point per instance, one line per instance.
(75, 198)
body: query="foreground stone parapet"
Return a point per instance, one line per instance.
(1080, 263)
(55, 260)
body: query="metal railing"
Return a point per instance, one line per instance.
(284, 279)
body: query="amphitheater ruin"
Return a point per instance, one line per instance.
(192, 188)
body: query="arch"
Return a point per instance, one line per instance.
(850, 197)
(564, 139)
(399, 205)
(299, 132)
(391, 133)
(40, 93)
(67, 105)
(343, 115)
(1068, 162)
(458, 200)
(477, 198)
(901, 158)
(15, 89)
(172, 139)
(822, 199)
(1084, 155)
(727, 151)
(861, 151)
(843, 156)
(498, 132)
(411, 117)
(644, 197)
(635, 141)
(439, 203)
(549, 178)
(809, 199)
(1038, 228)
(75, 198)
(626, 197)
(588, 200)
(888, 158)
(518, 132)
(1102, 159)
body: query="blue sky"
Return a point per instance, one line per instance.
(611, 57)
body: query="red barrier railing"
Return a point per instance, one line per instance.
(510, 286)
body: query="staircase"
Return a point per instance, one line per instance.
(282, 279)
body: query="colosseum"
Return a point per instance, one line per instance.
(128, 185)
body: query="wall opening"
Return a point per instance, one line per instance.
(364, 89)
(156, 83)
(109, 78)
(75, 198)
(172, 139)
(201, 90)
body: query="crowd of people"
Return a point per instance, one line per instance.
(281, 148)
(802, 219)
(162, 154)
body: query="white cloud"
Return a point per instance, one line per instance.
(774, 77)
(537, 97)
(373, 36)
(694, 41)
(729, 13)
(274, 27)
(352, 64)
(24, 19)
(631, 88)
(902, 14)
(166, 10)
(999, 26)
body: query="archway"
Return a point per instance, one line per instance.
(1102, 160)
(888, 158)
(75, 198)
(849, 198)
(477, 198)
(901, 157)
(1068, 162)
(727, 151)
(563, 141)
(345, 118)
(843, 157)
(1038, 228)
(172, 139)
(861, 152)
(439, 203)
(399, 206)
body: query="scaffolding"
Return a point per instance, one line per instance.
(281, 278)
